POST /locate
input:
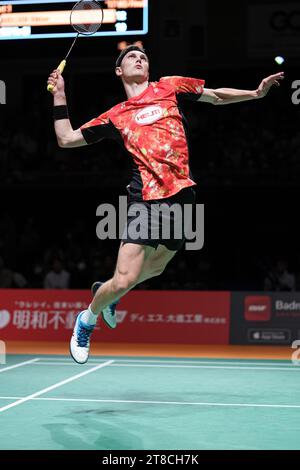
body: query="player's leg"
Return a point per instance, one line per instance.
(136, 263)
(156, 262)
(129, 267)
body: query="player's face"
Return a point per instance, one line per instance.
(134, 66)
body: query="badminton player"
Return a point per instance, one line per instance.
(151, 128)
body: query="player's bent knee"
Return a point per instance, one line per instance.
(124, 283)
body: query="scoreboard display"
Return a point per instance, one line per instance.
(30, 19)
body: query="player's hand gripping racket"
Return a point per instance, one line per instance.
(86, 18)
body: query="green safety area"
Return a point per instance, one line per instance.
(138, 403)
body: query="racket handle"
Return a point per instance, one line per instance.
(61, 68)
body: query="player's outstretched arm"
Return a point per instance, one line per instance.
(222, 96)
(66, 136)
(267, 84)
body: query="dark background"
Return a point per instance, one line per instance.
(245, 157)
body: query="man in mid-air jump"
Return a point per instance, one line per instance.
(151, 128)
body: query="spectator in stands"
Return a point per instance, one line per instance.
(6, 275)
(9, 278)
(57, 278)
(279, 278)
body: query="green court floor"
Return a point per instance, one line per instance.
(49, 402)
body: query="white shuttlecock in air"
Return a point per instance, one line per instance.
(279, 60)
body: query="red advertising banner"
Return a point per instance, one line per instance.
(184, 317)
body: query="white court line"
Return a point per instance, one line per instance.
(10, 398)
(170, 366)
(20, 364)
(52, 387)
(294, 369)
(254, 363)
(148, 402)
(67, 363)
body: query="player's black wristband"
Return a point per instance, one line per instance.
(60, 112)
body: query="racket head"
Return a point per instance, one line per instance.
(86, 17)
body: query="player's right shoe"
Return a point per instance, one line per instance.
(80, 341)
(109, 313)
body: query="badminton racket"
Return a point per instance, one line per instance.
(86, 18)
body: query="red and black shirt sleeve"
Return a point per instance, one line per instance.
(98, 128)
(186, 87)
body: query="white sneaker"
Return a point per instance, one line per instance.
(80, 341)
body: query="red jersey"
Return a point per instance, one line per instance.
(151, 128)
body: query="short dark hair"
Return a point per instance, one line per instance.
(126, 51)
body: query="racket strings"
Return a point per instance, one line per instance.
(86, 17)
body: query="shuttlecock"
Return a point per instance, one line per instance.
(279, 60)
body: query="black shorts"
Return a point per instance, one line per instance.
(160, 222)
